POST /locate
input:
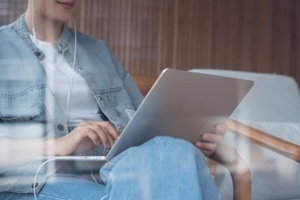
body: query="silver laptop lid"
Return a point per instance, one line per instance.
(182, 104)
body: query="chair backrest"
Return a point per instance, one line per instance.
(273, 98)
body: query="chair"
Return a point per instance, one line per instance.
(242, 180)
(238, 124)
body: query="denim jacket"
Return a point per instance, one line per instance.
(25, 98)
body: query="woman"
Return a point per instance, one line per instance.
(52, 73)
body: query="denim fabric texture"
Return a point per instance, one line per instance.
(25, 98)
(161, 169)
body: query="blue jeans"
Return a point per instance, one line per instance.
(160, 169)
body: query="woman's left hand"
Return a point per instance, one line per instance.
(209, 142)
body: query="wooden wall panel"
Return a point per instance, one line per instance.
(225, 37)
(295, 41)
(150, 35)
(261, 40)
(281, 37)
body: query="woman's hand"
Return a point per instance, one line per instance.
(86, 136)
(213, 146)
(209, 143)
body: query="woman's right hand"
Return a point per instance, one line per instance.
(85, 137)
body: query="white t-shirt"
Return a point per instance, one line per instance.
(64, 81)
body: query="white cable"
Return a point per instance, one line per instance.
(74, 56)
(75, 42)
(92, 175)
(36, 174)
(73, 66)
(32, 20)
(68, 98)
(70, 81)
(63, 158)
(103, 198)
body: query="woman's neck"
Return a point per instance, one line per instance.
(45, 29)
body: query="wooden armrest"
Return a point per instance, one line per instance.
(264, 139)
(238, 169)
(241, 179)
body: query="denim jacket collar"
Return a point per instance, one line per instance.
(22, 30)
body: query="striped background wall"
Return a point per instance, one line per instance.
(149, 35)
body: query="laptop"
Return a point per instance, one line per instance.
(180, 104)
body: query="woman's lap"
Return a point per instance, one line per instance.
(162, 168)
(62, 188)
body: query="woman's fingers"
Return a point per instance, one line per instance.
(206, 148)
(206, 145)
(206, 153)
(90, 133)
(103, 131)
(221, 129)
(208, 142)
(105, 136)
(110, 129)
(211, 137)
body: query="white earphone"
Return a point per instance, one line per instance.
(70, 86)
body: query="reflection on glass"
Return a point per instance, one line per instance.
(64, 93)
